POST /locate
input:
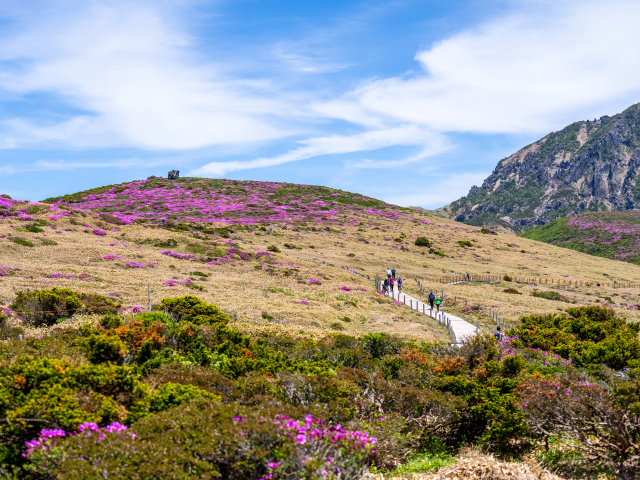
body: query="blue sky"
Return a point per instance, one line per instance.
(409, 101)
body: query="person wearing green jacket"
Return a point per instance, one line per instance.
(438, 302)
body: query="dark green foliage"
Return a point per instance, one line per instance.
(465, 243)
(46, 307)
(203, 439)
(21, 241)
(105, 349)
(273, 248)
(551, 296)
(33, 228)
(512, 290)
(507, 278)
(99, 304)
(434, 251)
(110, 321)
(487, 231)
(194, 310)
(422, 242)
(61, 395)
(587, 336)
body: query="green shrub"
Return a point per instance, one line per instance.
(46, 307)
(194, 310)
(551, 296)
(21, 241)
(105, 349)
(33, 228)
(422, 242)
(167, 396)
(465, 243)
(273, 248)
(512, 290)
(60, 394)
(99, 304)
(200, 274)
(507, 278)
(204, 439)
(110, 321)
(434, 251)
(48, 243)
(336, 326)
(587, 335)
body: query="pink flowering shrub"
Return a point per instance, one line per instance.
(315, 281)
(99, 232)
(248, 444)
(304, 302)
(132, 264)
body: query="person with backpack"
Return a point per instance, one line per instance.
(399, 286)
(438, 302)
(388, 273)
(386, 286)
(393, 272)
(498, 334)
(391, 282)
(432, 298)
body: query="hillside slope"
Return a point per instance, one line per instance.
(587, 166)
(111, 250)
(605, 234)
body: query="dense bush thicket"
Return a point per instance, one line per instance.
(586, 336)
(47, 307)
(185, 383)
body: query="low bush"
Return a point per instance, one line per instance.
(422, 242)
(205, 439)
(507, 278)
(587, 336)
(550, 296)
(46, 307)
(465, 243)
(194, 310)
(21, 241)
(273, 248)
(512, 290)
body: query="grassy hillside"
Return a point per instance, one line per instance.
(297, 329)
(605, 234)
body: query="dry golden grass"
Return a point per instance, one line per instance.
(473, 465)
(246, 291)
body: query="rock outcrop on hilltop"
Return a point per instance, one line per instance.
(587, 166)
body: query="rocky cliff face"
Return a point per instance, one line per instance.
(588, 166)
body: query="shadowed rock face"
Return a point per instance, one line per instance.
(587, 166)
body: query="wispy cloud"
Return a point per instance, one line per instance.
(331, 145)
(536, 68)
(130, 66)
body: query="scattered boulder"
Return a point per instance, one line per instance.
(174, 175)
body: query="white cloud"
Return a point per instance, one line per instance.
(335, 144)
(135, 73)
(535, 69)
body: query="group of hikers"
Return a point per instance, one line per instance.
(390, 281)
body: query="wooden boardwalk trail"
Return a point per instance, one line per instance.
(459, 329)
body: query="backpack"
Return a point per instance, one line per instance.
(498, 335)
(432, 297)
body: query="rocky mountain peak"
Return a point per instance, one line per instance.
(590, 165)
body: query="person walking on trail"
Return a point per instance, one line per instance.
(438, 302)
(498, 334)
(386, 286)
(432, 298)
(399, 285)
(391, 282)
(393, 272)
(388, 273)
